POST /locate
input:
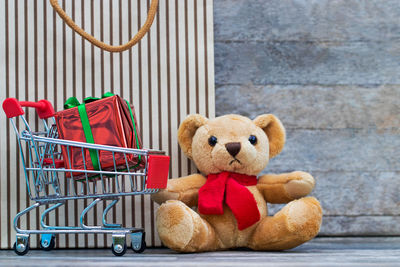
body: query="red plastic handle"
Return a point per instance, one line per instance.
(157, 172)
(13, 108)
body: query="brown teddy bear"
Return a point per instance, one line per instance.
(230, 151)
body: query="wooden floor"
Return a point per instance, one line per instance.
(319, 252)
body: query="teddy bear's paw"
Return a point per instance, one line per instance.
(164, 195)
(175, 224)
(304, 217)
(300, 184)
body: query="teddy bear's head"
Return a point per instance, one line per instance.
(231, 143)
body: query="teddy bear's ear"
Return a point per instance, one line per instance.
(275, 131)
(186, 131)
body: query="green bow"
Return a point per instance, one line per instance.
(74, 102)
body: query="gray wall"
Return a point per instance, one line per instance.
(330, 70)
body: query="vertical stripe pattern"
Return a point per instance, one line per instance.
(166, 76)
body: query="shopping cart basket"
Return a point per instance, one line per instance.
(50, 182)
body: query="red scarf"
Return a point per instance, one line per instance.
(239, 199)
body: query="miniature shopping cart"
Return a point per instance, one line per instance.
(50, 182)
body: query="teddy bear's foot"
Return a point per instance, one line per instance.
(182, 229)
(298, 222)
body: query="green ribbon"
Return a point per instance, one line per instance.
(74, 102)
(71, 103)
(88, 135)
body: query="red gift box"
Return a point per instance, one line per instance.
(110, 123)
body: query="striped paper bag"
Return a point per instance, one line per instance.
(167, 75)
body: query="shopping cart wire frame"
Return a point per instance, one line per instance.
(44, 165)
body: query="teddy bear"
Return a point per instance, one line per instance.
(225, 205)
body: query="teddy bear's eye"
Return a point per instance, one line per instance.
(212, 141)
(253, 139)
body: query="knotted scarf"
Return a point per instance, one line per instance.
(230, 187)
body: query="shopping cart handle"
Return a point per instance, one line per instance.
(12, 107)
(157, 172)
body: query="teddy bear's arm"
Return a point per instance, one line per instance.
(285, 187)
(185, 189)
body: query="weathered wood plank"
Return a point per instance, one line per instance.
(310, 106)
(356, 193)
(365, 150)
(305, 20)
(359, 193)
(317, 252)
(360, 226)
(307, 63)
(344, 243)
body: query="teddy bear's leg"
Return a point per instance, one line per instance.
(182, 229)
(298, 222)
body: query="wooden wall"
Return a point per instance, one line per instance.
(330, 70)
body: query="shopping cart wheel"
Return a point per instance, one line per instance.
(142, 247)
(138, 242)
(118, 246)
(21, 246)
(118, 250)
(47, 242)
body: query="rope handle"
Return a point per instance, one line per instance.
(110, 48)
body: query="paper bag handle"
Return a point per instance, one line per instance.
(110, 48)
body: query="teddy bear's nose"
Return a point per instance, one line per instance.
(233, 148)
